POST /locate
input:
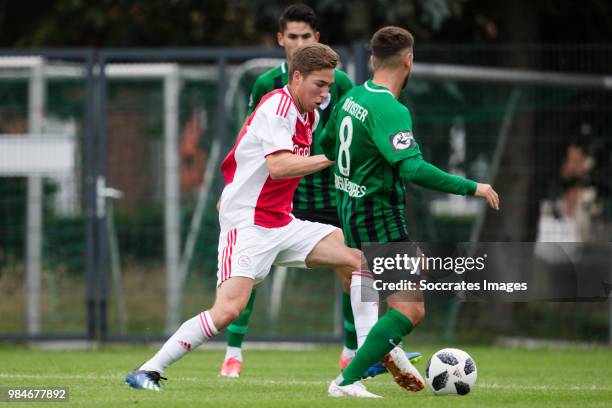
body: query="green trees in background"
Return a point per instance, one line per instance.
(120, 23)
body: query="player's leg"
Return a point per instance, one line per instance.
(354, 334)
(349, 266)
(396, 361)
(405, 311)
(239, 327)
(235, 281)
(399, 321)
(256, 249)
(329, 216)
(330, 251)
(349, 335)
(364, 306)
(361, 305)
(315, 245)
(362, 295)
(320, 245)
(384, 337)
(232, 297)
(232, 362)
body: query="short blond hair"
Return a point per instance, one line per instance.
(313, 57)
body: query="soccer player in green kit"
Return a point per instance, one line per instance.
(315, 197)
(369, 136)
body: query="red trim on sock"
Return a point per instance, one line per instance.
(209, 324)
(206, 329)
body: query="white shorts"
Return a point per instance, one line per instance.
(250, 251)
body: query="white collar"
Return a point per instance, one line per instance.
(376, 90)
(300, 116)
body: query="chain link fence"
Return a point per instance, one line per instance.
(128, 228)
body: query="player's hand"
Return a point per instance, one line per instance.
(218, 204)
(486, 191)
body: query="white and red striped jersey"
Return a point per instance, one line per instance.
(250, 196)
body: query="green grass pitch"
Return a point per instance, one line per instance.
(506, 377)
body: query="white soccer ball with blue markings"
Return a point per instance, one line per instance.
(451, 371)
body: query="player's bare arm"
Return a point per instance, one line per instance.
(286, 164)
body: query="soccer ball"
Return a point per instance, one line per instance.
(451, 371)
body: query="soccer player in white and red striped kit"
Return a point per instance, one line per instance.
(262, 171)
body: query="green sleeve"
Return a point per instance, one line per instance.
(345, 83)
(429, 176)
(391, 131)
(257, 93)
(327, 138)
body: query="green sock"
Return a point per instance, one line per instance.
(237, 330)
(386, 333)
(350, 336)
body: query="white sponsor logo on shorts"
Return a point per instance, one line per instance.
(244, 261)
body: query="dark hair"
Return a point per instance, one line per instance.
(300, 13)
(312, 57)
(390, 41)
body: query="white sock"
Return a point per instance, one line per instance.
(347, 352)
(339, 379)
(366, 311)
(190, 335)
(233, 352)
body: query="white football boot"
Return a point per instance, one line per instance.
(356, 389)
(402, 370)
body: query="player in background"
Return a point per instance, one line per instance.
(369, 136)
(315, 197)
(258, 230)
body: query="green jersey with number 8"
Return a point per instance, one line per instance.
(369, 132)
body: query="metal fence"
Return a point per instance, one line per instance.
(120, 242)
